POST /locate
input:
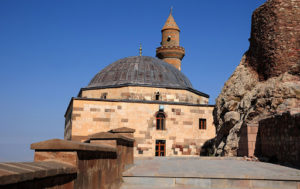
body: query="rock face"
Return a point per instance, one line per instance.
(267, 80)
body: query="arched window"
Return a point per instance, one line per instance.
(160, 121)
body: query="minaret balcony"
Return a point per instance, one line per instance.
(170, 52)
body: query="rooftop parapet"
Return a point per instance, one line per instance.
(65, 145)
(11, 173)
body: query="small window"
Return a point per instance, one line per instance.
(202, 123)
(103, 95)
(160, 121)
(157, 96)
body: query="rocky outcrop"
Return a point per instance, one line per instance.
(267, 80)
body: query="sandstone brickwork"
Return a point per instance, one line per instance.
(267, 80)
(182, 133)
(146, 93)
(249, 143)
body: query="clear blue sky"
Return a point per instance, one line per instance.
(49, 49)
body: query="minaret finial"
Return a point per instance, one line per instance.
(140, 49)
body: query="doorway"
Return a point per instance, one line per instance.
(160, 148)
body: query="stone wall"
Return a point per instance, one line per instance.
(146, 93)
(275, 38)
(37, 175)
(182, 133)
(67, 164)
(267, 80)
(249, 144)
(280, 138)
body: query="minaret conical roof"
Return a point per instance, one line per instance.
(170, 23)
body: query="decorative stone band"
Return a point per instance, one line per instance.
(171, 28)
(136, 101)
(170, 52)
(65, 145)
(143, 85)
(11, 173)
(170, 47)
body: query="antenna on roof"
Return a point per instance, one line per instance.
(140, 49)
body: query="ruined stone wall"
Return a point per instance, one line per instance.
(275, 38)
(266, 82)
(280, 138)
(146, 93)
(182, 133)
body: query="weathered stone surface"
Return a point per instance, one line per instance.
(204, 173)
(58, 144)
(108, 136)
(98, 164)
(267, 80)
(232, 117)
(274, 43)
(123, 130)
(20, 172)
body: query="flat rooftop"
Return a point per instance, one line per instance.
(209, 172)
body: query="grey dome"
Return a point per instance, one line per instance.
(140, 71)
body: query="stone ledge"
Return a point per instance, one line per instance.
(122, 130)
(109, 136)
(24, 171)
(64, 145)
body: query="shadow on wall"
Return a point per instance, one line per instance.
(207, 148)
(279, 137)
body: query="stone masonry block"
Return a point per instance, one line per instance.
(77, 109)
(187, 123)
(124, 120)
(95, 109)
(102, 119)
(252, 137)
(252, 129)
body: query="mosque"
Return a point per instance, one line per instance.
(149, 95)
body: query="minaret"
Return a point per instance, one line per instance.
(170, 51)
